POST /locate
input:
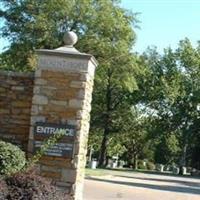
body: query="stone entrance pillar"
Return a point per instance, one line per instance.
(62, 100)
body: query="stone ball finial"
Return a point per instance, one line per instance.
(70, 38)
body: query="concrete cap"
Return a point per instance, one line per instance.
(70, 38)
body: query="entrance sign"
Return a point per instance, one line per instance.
(46, 129)
(65, 146)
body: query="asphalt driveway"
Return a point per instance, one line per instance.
(140, 186)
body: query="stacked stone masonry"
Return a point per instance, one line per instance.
(16, 90)
(63, 98)
(52, 97)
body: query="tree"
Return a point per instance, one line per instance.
(167, 149)
(104, 29)
(34, 24)
(172, 92)
(113, 84)
(134, 135)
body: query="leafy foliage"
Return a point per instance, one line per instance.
(150, 166)
(21, 182)
(167, 150)
(172, 92)
(33, 24)
(12, 158)
(140, 165)
(28, 186)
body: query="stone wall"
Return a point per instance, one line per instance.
(16, 90)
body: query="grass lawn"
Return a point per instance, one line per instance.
(106, 172)
(96, 172)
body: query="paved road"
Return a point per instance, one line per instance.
(139, 186)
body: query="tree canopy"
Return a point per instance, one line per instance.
(34, 24)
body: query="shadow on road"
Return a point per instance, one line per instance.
(149, 186)
(187, 183)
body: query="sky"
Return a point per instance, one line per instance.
(163, 23)
(3, 42)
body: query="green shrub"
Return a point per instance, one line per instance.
(150, 166)
(12, 158)
(141, 165)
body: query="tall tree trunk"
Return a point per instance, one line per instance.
(183, 159)
(90, 154)
(103, 150)
(135, 166)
